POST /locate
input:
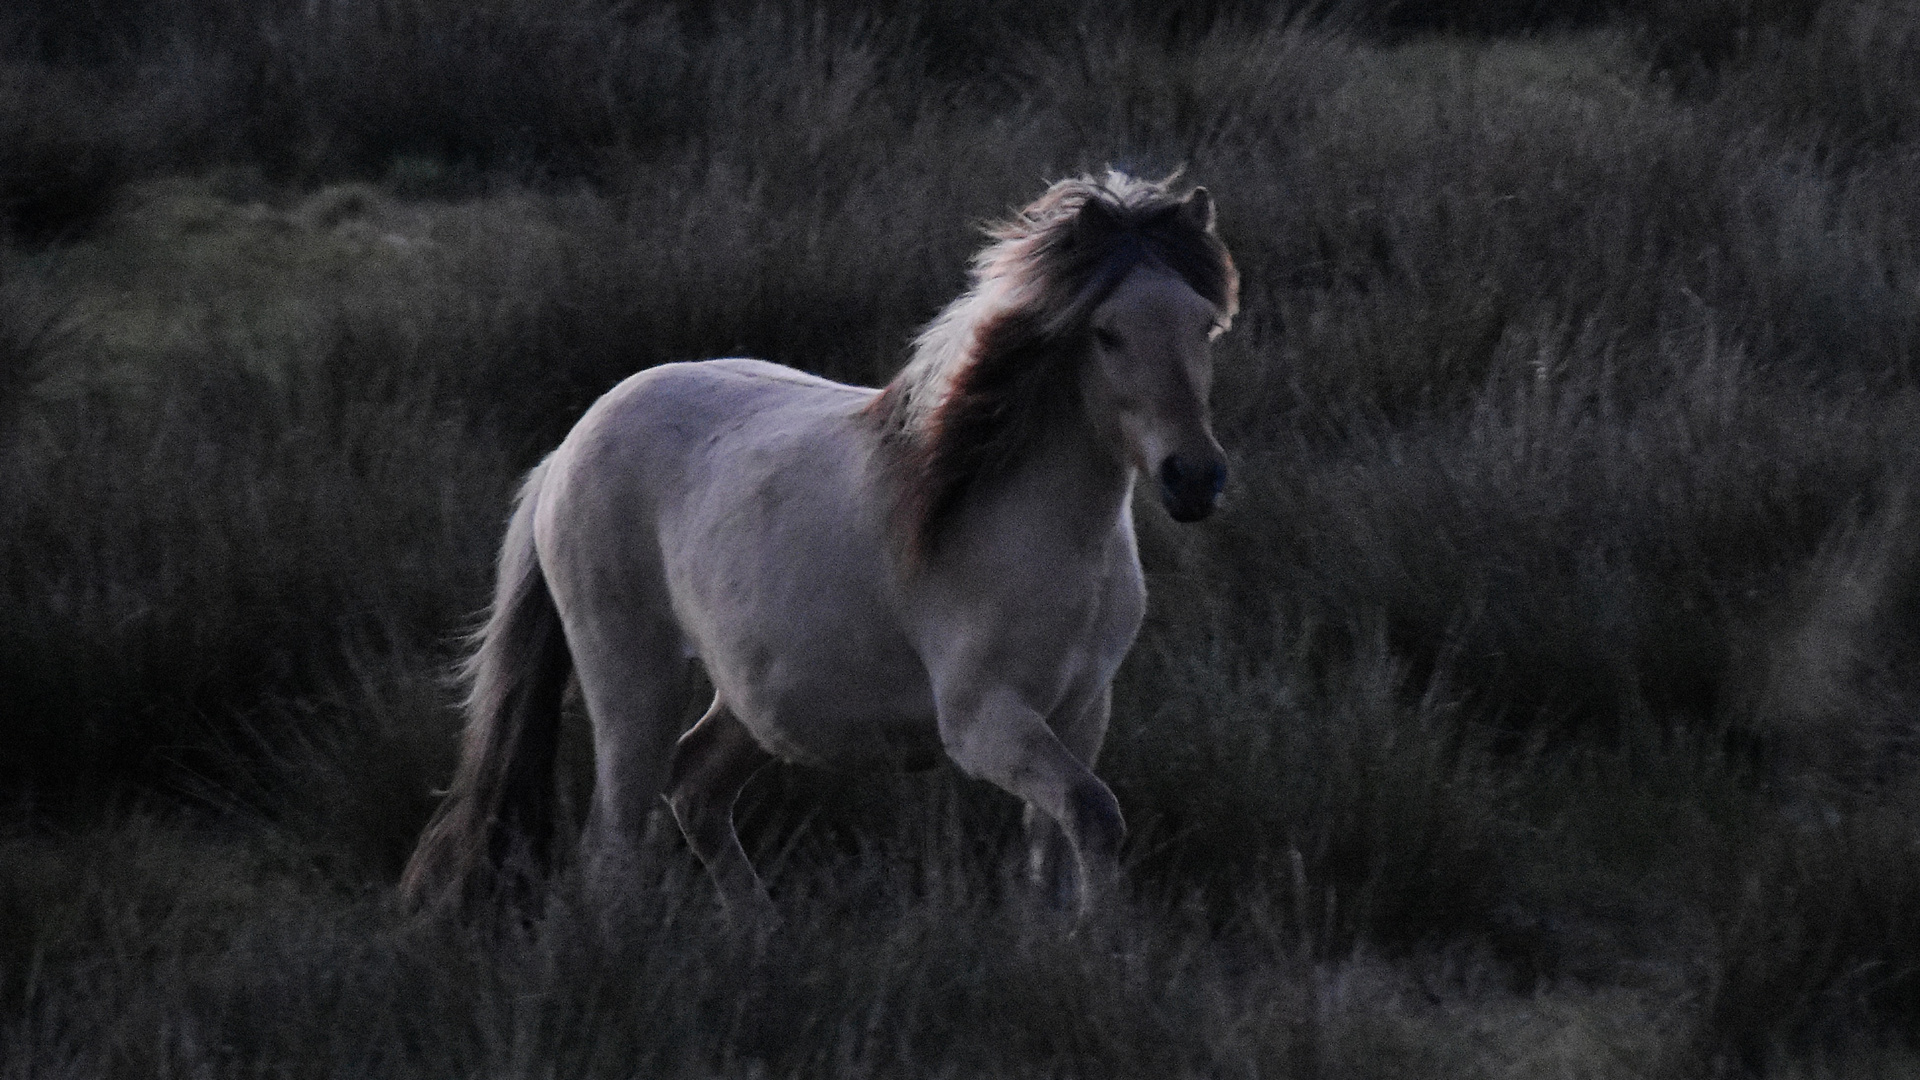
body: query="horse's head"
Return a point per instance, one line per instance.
(1103, 291)
(1150, 369)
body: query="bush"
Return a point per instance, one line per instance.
(226, 538)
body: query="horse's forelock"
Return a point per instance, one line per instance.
(1084, 236)
(1067, 318)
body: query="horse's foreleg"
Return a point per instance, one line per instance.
(712, 763)
(1081, 725)
(997, 737)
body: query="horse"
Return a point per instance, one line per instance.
(944, 567)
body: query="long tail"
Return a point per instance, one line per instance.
(490, 835)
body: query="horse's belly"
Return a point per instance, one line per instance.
(807, 654)
(775, 545)
(860, 744)
(856, 716)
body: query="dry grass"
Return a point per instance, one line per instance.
(1542, 704)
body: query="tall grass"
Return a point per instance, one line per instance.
(1543, 699)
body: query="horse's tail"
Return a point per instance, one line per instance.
(489, 837)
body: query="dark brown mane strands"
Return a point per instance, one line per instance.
(1022, 330)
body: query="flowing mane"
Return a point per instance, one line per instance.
(991, 369)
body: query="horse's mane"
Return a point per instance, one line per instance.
(1001, 361)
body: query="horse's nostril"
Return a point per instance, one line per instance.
(1191, 488)
(1210, 476)
(1170, 472)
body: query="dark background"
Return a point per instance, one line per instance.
(1543, 699)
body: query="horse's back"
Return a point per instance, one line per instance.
(672, 411)
(736, 383)
(664, 435)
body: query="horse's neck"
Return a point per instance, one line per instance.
(1076, 479)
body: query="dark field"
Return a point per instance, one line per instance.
(1544, 702)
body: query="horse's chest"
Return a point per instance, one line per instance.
(1107, 620)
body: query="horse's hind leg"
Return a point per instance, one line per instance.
(712, 763)
(633, 676)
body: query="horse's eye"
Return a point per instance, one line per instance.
(1105, 338)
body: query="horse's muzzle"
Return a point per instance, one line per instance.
(1191, 488)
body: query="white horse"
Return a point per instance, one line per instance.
(872, 578)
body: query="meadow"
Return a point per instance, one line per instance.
(1544, 700)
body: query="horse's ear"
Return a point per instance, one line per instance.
(1095, 219)
(1198, 206)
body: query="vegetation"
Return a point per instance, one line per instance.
(1542, 703)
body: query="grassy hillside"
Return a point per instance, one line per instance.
(1543, 702)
